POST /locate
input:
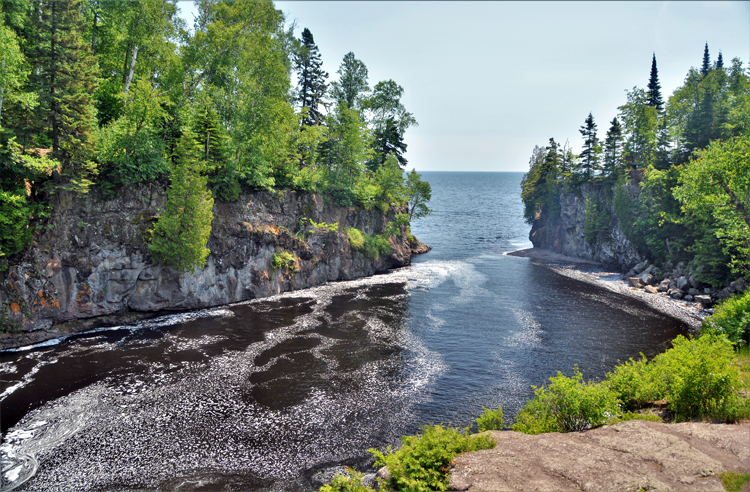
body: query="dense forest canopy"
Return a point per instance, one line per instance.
(691, 156)
(109, 93)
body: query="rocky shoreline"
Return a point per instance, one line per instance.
(689, 312)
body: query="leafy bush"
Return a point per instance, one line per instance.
(283, 259)
(575, 405)
(535, 418)
(698, 377)
(322, 225)
(635, 416)
(491, 419)
(376, 245)
(356, 239)
(352, 481)
(732, 317)
(421, 464)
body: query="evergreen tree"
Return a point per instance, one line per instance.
(654, 88)
(388, 139)
(706, 67)
(720, 61)
(613, 148)
(183, 229)
(663, 153)
(352, 83)
(68, 81)
(312, 79)
(589, 158)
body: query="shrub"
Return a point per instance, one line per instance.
(356, 239)
(376, 245)
(733, 482)
(421, 463)
(283, 259)
(635, 383)
(635, 416)
(596, 221)
(352, 481)
(491, 419)
(323, 225)
(732, 317)
(573, 405)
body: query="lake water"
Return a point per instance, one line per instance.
(274, 394)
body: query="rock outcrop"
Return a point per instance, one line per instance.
(565, 235)
(632, 455)
(90, 259)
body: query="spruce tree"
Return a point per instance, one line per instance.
(589, 158)
(654, 88)
(720, 61)
(706, 67)
(613, 148)
(312, 79)
(183, 229)
(68, 80)
(388, 139)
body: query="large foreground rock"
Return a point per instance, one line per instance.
(632, 455)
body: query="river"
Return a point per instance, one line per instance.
(274, 394)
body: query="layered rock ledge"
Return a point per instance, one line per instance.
(89, 266)
(632, 455)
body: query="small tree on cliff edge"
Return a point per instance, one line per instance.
(591, 149)
(182, 231)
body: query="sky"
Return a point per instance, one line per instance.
(487, 81)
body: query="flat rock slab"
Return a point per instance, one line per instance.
(632, 455)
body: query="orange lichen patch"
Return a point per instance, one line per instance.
(15, 308)
(84, 295)
(47, 301)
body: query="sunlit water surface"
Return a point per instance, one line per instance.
(275, 394)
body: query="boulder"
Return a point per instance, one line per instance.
(675, 293)
(704, 300)
(680, 283)
(693, 292)
(724, 293)
(635, 282)
(651, 289)
(738, 285)
(688, 298)
(640, 267)
(664, 286)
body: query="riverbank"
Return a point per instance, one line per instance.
(595, 273)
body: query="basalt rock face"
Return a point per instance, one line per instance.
(90, 258)
(565, 234)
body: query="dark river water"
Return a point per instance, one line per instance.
(272, 394)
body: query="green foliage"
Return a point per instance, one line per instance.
(324, 226)
(351, 481)
(421, 463)
(572, 405)
(356, 238)
(734, 482)
(716, 186)
(540, 190)
(394, 227)
(698, 377)
(491, 419)
(732, 317)
(417, 193)
(377, 246)
(182, 231)
(597, 220)
(283, 259)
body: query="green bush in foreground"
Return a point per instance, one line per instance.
(491, 419)
(733, 482)
(343, 483)
(421, 464)
(732, 317)
(568, 404)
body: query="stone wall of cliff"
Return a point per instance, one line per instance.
(89, 264)
(565, 234)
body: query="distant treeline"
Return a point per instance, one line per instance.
(691, 155)
(108, 93)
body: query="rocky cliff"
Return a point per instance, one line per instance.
(89, 265)
(564, 234)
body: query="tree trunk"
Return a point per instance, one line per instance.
(132, 69)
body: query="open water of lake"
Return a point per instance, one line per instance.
(271, 394)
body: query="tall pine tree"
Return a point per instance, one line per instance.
(311, 79)
(720, 61)
(654, 88)
(613, 148)
(706, 67)
(589, 158)
(68, 80)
